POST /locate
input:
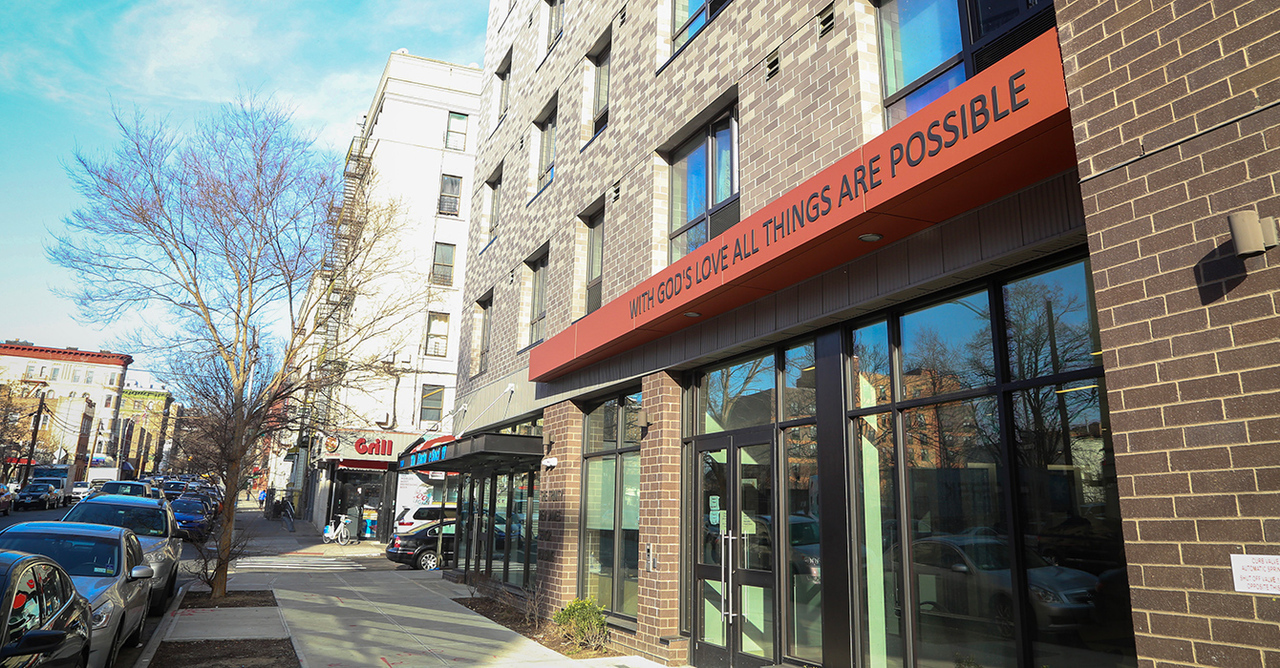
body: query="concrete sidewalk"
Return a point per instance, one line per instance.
(357, 618)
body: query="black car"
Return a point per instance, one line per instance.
(422, 548)
(36, 494)
(48, 622)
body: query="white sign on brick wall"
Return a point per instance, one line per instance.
(1256, 573)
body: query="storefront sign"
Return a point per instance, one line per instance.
(1006, 128)
(378, 446)
(1256, 573)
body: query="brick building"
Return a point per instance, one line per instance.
(976, 328)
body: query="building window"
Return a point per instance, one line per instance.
(547, 150)
(595, 260)
(925, 51)
(431, 407)
(600, 99)
(437, 343)
(76, 375)
(495, 204)
(704, 186)
(31, 371)
(689, 17)
(503, 74)
(54, 372)
(112, 382)
(555, 22)
(455, 134)
(450, 194)
(88, 377)
(106, 403)
(442, 266)
(484, 313)
(537, 298)
(610, 563)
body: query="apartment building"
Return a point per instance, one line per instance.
(979, 296)
(411, 163)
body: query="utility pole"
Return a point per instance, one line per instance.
(31, 450)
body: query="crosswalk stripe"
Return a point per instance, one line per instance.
(297, 564)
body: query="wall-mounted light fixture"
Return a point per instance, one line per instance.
(642, 418)
(1251, 235)
(547, 441)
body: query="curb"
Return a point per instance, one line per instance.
(297, 650)
(162, 631)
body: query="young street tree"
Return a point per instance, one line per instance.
(247, 261)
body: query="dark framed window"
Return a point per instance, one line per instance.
(495, 205)
(484, 313)
(928, 47)
(610, 553)
(431, 407)
(595, 260)
(600, 98)
(537, 298)
(503, 74)
(704, 186)
(689, 17)
(442, 265)
(555, 22)
(450, 194)
(547, 150)
(455, 134)
(437, 342)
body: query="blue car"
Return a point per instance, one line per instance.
(192, 518)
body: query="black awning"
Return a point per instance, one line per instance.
(473, 453)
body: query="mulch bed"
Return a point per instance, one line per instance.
(542, 632)
(234, 599)
(227, 654)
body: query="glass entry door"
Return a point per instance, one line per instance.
(735, 567)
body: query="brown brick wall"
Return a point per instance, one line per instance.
(1171, 105)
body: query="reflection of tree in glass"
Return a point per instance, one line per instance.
(1049, 331)
(870, 367)
(741, 395)
(799, 398)
(933, 366)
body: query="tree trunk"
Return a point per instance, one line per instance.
(225, 536)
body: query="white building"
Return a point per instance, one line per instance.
(416, 148)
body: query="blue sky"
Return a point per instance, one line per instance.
(63, 64)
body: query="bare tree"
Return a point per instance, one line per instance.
(252, 268)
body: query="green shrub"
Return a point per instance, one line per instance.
(583, 622)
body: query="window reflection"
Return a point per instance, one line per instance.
(738, 395)
(799, 399)
(916, 36)
(875, 459)
(1049, 319)
(871, 365)
(947, 347)
(599, 489)
(1070, 499)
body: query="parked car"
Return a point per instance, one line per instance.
(157, 530)
(127, 488)
(58, 492)
(174, 489)
(49, 622)
(970, 578)
(412, 519)
(79, 491)
(210, 508)
(106, 566)
(36, 494)
(424, 548)
(7, 498)
(194, 517)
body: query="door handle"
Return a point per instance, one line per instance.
(727, 581)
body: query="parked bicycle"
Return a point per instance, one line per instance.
(338, 531)
(286, 515)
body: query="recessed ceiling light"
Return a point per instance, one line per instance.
(692, 314)
(871, 237)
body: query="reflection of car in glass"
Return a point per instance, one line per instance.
(157, 531)
(969, 577)
(7, 498)
(424, 547)
(47, 622)
(35, 495)
(412, 519)
(106, 567)
(1090, 545)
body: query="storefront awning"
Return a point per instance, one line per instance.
(476, 452)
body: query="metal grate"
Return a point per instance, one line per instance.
(1014, 39)
(827, 20)
(773, 65)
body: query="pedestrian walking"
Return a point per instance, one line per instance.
(262, 499)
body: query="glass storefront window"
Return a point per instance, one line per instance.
(711, 467)
(799, 395)
(1076, 570)
(629, 589)
(1050, 323)
(516, 529)
(871, 366)
(804, 544)
(876, 461)
(610, 553)
(947, 347)
(738, 395)
(602, 428)
(500, 524)
(533, 526)
(960, 557)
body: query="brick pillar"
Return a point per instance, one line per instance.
(658, 623)
(1169, 102)
(558, 504)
